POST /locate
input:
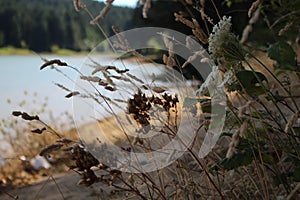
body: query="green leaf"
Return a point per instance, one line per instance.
(206, 107)
(275, 95)
(237, 160)
(280, 178)
(296, 174)
(247, 79)
(284, 56)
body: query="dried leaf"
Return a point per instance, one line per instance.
(135, 78)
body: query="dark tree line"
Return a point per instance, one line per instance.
(42, 24)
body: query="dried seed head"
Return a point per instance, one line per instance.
(91, 78)
(16, 113)
(253, 7)
(146, 8)
(244, 108)
(109, 88)
(29, 117)
(183, 20)
(247, 30)
(52, 62)
(190, 2)
(72, 94)
(291, 122)
(243, 128)
(50, 148)
(234, 142)
(158, 89)
(38, 131)
(108, 79)
(103, 12)
(285, 29)
(76, 5)
(64, 140)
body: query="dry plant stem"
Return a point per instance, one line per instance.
(202, 165)
(145, 176)
(261, 103)
(199, 162)
(216, 9)
(261, 180)
(293, 192)
(250, 178)
(161, 183)
(51, 130)
(10, 195)
(264, 173)
(38, 192)
(101, 30)
(187, 9)
(131, 189)
(282, 18)
(87, 92)
(267, 92)
(61, 193)
(106, 102)
(275, 150)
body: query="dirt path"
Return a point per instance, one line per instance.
(64, 187)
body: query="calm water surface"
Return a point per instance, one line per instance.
(21, 80)
(24, 87)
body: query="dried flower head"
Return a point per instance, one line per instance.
(146, 8)
(253, 7)
(224, 45)
(103, 12)
(52, 62)
(291, 122)
(72, 94)
(50, 148)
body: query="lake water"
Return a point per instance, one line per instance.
(26, 88)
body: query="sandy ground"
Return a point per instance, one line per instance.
(65, 185)
(61, 186)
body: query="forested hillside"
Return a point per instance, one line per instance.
(40, 25)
